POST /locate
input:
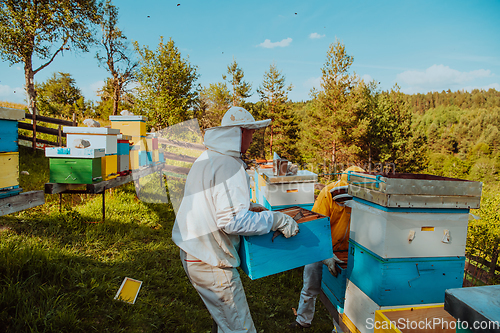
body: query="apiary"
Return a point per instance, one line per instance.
(265, 255)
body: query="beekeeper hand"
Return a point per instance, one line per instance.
(285, 224)
(255, 207)
(331, 263)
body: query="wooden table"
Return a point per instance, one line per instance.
(100, 187)
(21, 201)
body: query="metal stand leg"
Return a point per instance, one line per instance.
(104, 204)
(214, 326)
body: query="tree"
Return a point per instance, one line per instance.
(241, 89)
(335, 124)
(283, 130)
(30, 28)
(118, 62)
(106, 105)
(214, 102)
(167, 89)
(59, 96)
(393, 137)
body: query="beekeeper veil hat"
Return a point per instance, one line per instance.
(239, 117)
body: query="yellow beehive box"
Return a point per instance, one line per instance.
(139, 143)
(430, 319)
(109, 167)
(156, 156)
(138, 158)
(135, 126)
(9, 164)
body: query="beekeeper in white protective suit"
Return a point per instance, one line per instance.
(215, 212)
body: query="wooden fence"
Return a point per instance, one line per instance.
(46, 130)
(480, 271)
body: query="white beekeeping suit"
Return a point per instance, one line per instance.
(213, 214)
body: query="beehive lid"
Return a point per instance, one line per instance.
(74, 152)
(90, 130)
(415, 184)
(11, 114)
(302, 176)
(128, 118)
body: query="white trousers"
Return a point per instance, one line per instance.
(310, 290)
(222, 292)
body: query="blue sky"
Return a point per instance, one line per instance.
(420, 45)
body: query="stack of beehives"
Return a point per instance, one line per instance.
(9, 151)
(91, 155)
(134, 126)
(406, 244)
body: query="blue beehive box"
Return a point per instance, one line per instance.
(261, 256)
(400, 281)
(334, 287)
(8, 136)
(9, 129)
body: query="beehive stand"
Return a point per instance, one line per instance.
(98, 188)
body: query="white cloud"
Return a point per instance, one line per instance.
(440, 75)
(90, 91)
(13, 95)
(367, 78)
(495, 86)
(313, 82)
(269, 45)
(315, 35)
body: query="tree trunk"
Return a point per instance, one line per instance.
(271, 142)
(30, 86)
(116, 95)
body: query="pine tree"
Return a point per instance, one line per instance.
(284, 128)
(240, 88)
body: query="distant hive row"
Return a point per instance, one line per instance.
(112, 151)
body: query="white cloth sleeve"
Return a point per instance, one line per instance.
(247, 223)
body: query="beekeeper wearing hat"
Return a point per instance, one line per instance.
(215, 212)
(330, 202)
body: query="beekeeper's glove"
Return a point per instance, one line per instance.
(255, 207)
(331, 263)
(284, 223)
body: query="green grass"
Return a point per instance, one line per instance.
(60, 271)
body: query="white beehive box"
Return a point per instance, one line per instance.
(99, 137)
(285, 191)
(407, 232)
(359, 310)
(74, 152)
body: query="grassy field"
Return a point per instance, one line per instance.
(60, 270)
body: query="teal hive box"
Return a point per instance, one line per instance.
(334, 287)
(260, 256)
(400, 281)
(8, 135)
